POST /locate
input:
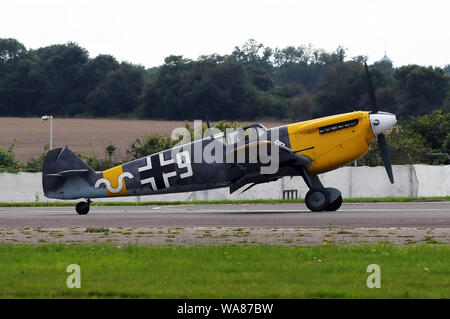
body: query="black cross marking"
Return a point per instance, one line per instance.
(156, 171)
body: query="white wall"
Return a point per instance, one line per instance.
(434, 180)
(410, 181)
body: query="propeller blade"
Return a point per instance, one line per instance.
(372, 99)
(385, 156)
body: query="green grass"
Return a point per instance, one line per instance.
(252, 201)
(97, 230)
(39, 271)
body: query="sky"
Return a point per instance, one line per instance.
(145, 32)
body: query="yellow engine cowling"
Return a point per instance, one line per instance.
(332, 141)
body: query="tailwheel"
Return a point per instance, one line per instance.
(335, 199)
(317, 199)
(82, 208)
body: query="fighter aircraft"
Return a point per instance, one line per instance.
(234, 159)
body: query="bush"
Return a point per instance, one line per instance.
(8, 161)
(149, 144)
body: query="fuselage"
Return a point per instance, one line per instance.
(330, 142)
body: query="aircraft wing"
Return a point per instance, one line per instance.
(254, 159)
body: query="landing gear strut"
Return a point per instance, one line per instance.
(319, 198)
(82, 208)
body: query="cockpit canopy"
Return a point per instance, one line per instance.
(242, 136)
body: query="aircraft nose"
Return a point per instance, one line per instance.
(381, 122)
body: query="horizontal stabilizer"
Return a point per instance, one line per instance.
(70, 172)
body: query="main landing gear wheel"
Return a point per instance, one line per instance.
(82, 208)
(317, 199)
(334, 206)
(335, 199)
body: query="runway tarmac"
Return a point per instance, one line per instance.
(286, 215)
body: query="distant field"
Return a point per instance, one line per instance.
(87, 136)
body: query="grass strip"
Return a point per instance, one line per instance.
(39, 271)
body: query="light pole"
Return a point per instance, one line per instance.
(45, 118)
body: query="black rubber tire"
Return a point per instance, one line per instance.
(317, 199)
(82, 208)
(334, 206)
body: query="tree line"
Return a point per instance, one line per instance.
(252, 82)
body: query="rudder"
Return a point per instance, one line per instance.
(59, 164)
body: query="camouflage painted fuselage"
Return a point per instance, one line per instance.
(319, 145)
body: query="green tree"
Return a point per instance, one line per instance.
(304, 65)
(58, 77)
(119, 93)
(447, 70)
(446, 103)
(260, 77)
(343, 89)
(11, 51)
(211, 88)
(253, 52)
(420, 89)
(96, 70)
(433, 127)
(162, 97)
(15, 65)
(300, 108)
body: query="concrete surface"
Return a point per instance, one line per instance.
(226, 235)
(416, 214)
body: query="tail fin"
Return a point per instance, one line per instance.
(58, 165)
